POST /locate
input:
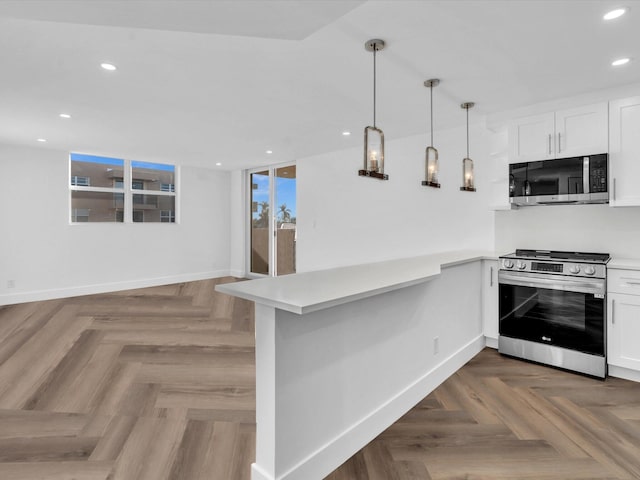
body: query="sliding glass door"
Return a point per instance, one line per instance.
(273, 232)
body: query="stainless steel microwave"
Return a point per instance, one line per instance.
(561, 181)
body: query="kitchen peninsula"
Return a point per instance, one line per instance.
(341, 354)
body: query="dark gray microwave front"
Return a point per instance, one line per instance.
(560, 181)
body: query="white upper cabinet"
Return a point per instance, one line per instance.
(531, 138)
(561, 134)
(624, 152)
(582, 131)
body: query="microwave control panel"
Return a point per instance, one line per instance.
(598, 173)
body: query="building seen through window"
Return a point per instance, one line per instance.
(98, 190)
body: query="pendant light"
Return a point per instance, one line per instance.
(373, 136)
(467, 163)
(431, 154)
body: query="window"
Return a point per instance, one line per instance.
(95, 192)
(102, 190)
(138, 216)
(80, 181)
(80, 215)
(167, 216)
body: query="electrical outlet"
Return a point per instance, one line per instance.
(11, 284)
(436, 345)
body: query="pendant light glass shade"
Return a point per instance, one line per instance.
(433, 167)
(374, 150)
(467, 172)
(373, 136)
(431, 153)
(467, 163)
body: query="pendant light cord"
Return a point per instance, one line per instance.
(431, 105)
(375, 49)
(467, 132)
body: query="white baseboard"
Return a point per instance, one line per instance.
(237, 273)
(492, 342)
(258, 474)
(39, 295)
(328, 458)
(624, 373)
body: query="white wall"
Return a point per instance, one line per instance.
(344, 219)
(583, 228)
(46, 257)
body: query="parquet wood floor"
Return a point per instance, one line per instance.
(159, 384)
(149, 384)
(500, 418)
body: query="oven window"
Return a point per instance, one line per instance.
(565, 319)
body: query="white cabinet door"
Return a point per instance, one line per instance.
(624, 152)
(490, 301)
(582, 131)
(565, 133)
(623, 334)
(532, 138)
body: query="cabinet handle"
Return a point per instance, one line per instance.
(631, 282)
(559, 149)
(549, 144)
(491, 277)
(613, 317)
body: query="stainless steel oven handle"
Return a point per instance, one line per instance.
(579, 286)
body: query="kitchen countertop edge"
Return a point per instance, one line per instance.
(624, 263)
(307, 292)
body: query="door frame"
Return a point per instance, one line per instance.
(248, 215)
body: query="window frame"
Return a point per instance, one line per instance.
(128, 191)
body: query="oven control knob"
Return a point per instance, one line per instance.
(521, 265)
(508, 264)
(589, 270)
(574, 269)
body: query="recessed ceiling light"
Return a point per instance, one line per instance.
(42, 140)
(218, 164)
(620, 61)
(618, 12)
(108, 66)
(269, 152)
(65, 115)
(346, 134)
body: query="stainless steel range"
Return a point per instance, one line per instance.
(553, 309)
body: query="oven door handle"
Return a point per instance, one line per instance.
(573, 285)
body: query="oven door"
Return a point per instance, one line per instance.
(567, 312)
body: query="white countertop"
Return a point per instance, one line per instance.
(624, 263)
(310, 291)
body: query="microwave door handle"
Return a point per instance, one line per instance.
(586, 184)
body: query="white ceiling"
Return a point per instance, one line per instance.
(200, 82)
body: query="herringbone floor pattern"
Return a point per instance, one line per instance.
(499, 418)
(149, 384)
(159, 384)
